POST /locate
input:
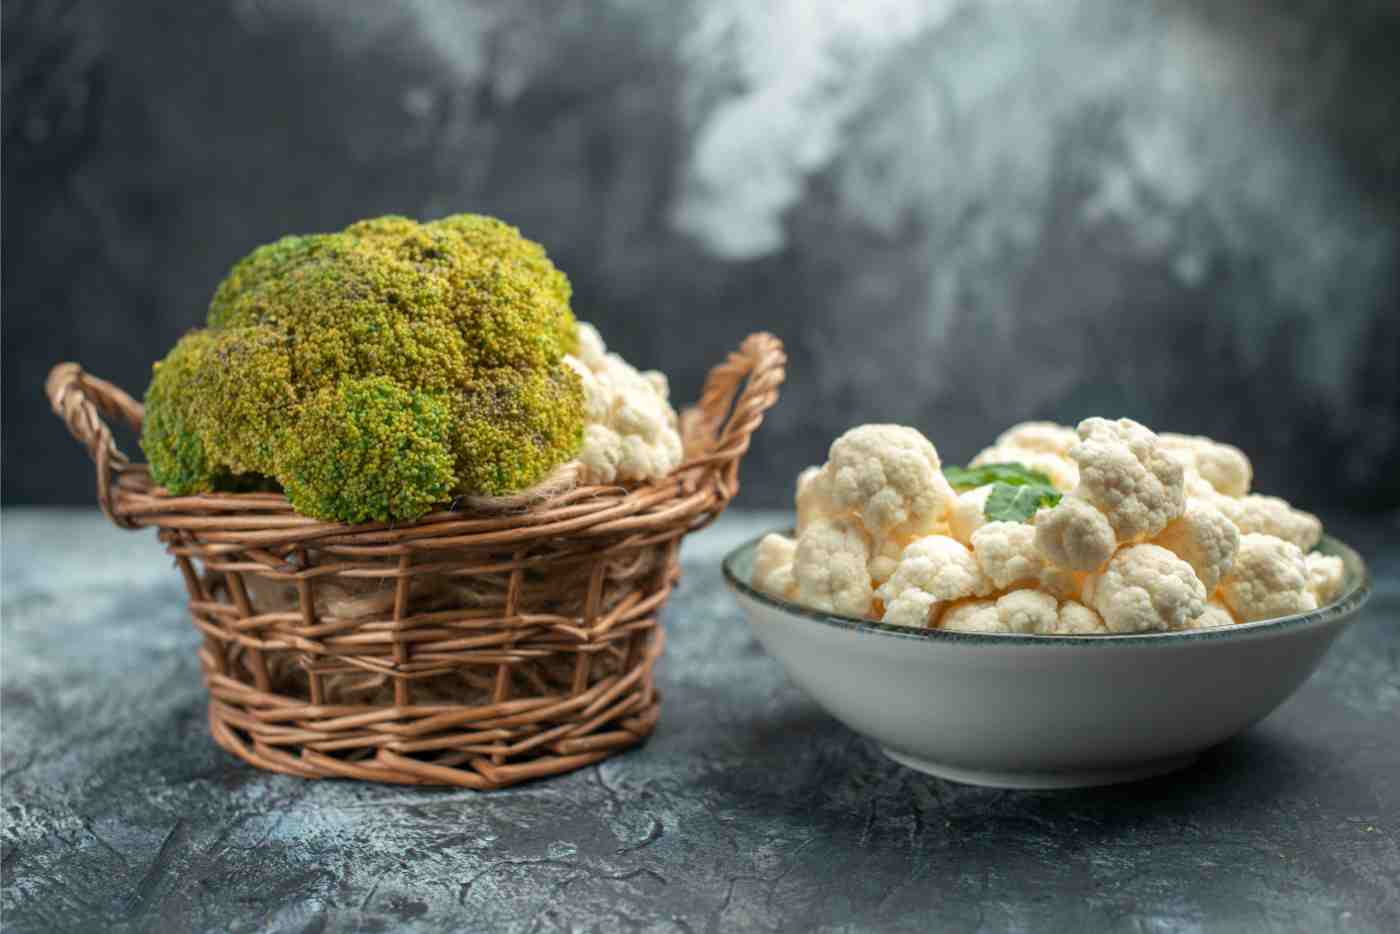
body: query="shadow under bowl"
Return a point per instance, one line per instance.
(1038, 711)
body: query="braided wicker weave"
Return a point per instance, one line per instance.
(472, 647)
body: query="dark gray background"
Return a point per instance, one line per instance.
(957, 214)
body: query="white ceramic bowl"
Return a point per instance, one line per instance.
(1026, 711)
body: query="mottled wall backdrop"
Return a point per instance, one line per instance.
(958, 213)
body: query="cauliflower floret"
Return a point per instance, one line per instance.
(969, 513)
(1269, 579)
(1006, 553)
(1193, 484)
(1269, 515)
(1063, 472)
(1048, 437)
(1204, 539)
(830, 568)
(1074, 535)
(1129, 477)
(1215, 614)
(1028, 611)
(1062, 584)
(1223, 466)
(1076, 619)
(631, 430)
(772, 566)
(932, 570)
(592, 352)
(884, 558)
(1145, 588)
(891, 477)
(913, 608)
(973, 616)
(1325, 576)
(1022, 611)
(813, 497)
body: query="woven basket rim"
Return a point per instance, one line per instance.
(715, 431)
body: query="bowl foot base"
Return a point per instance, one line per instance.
(1073, 778)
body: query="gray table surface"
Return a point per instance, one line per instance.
(748, 810)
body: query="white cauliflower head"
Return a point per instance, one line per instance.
(592, 352)
(1223, 466)
(1028, 611)
(1128, 476)
(1326, 574)
(813, 498)
(1022, 611)
(1007, 554)
(773, 566)
(885, 555)
(1195, 486)
(1269, 579)
(630, 430)
(1074, 535)
(1214, 615)
(1062, 472)
(1145, 588)
(1062, 584)
(891, 477)
(968, 513)
(1076, 619)
(1269, 515)
(973, 616)
(913, 608)
(1204, 539)
(1048, 437)
(830, 568)
(938, 566)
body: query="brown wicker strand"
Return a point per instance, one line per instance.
(479, 646)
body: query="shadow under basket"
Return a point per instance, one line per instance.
(473, 647)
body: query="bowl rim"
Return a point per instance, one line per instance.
(1345, 605)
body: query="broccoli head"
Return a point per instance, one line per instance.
(375, 372)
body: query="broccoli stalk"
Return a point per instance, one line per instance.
(375, 372)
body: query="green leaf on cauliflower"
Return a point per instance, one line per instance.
(1017, 491)
(1008, 503)
(963, 479)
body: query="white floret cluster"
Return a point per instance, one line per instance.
(630, 429)
(1152, 533)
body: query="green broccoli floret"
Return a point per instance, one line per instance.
(375, 372)
(168, 433)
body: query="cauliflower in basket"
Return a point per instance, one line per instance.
(1107, 528)
(631, 430)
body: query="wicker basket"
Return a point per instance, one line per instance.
(472, 647)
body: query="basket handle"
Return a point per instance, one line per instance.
(85, 402)
(737, 392)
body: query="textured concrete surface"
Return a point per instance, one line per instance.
(749, 810)
(958, 213)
